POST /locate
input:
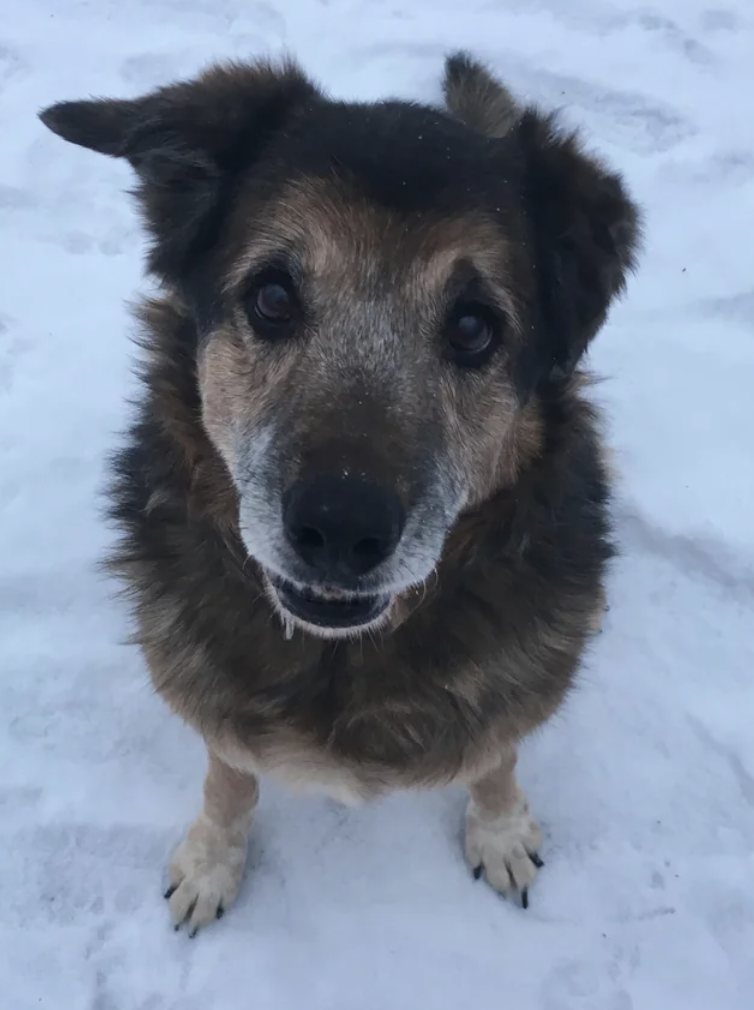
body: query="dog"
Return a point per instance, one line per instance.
(364, 507)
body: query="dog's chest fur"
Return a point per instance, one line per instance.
(424, 706)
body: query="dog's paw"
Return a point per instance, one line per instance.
(504, 849)
(205, 875)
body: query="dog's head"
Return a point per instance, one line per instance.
(380, 293)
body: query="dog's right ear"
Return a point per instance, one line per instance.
(186, 142)
(102, 124)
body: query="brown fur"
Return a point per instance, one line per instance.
(487, 646)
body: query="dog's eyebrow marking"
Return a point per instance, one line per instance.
(466, 281)
(285, 261)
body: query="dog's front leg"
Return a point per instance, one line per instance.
(502, 838)
(207, 867)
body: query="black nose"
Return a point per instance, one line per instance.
(342, 525)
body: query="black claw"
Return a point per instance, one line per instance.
(525, 898)
(220, 912)
(536, 859)
(189, 913)
(170, 891)
(477, 871)
(193, 932)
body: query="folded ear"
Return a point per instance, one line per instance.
(586, 234)
(186, 142)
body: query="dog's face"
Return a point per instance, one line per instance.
(381, 293)
(358, 383)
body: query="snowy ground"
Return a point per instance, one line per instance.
(645, 785)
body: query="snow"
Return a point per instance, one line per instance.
(644, 784)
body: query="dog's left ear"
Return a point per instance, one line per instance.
(586, 233)
(186, 142)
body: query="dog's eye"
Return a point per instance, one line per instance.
(471, 335)
(271, 304)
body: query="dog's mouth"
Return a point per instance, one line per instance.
(330, 611)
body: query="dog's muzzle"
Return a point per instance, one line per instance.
(341, 528)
